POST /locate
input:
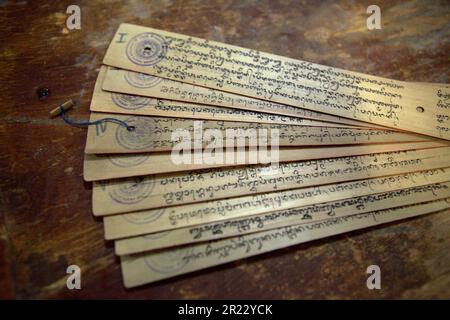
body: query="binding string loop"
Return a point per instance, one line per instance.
(61, 110)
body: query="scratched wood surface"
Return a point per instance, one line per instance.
(46, 220)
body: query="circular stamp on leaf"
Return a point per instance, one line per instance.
(144, 217)
(170, 261)
(146, 132)
(129, 102)
(146, 49)
(141, 80)
(134, 191)
(128, 160)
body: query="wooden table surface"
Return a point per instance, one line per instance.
(46, 221)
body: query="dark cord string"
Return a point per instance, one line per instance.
(88, 123)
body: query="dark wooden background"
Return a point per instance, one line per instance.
(46, 221)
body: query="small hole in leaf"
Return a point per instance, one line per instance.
(420, 109)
